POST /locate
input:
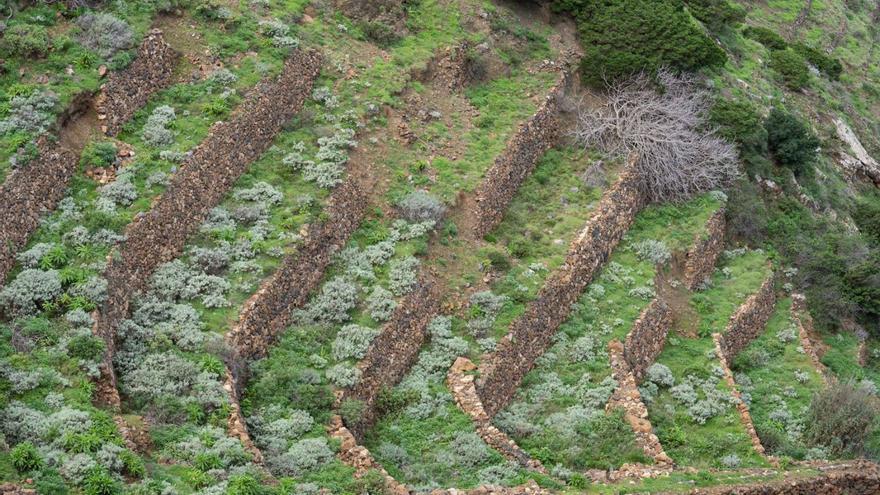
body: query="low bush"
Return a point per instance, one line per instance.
(767, 37)
(792, 66)
(791, 142)
(98, 154)
(25, 40)
(841, 419)
(829, 66)
(104, 34)
(420, 206)
(25, 457)
(717, 15)
(30, 290)
(741, 122)
(156, 132)
(32, 113)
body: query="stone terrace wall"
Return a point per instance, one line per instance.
(749, 320)
(646, 339)
(127, 91)
(465, 395)
(516, 163)
(801, 317)
(854, 478)
(267, 313)
(700, 259)
(395, 349)
(627, 397)
(741, 407)
(204, 179)
(531, 334)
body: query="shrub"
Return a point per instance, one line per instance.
(739, 121)
(766, 37)
(731, 461)
(624, 37)
(98, 154)
(352, 342)
(25, 457)
(104, 34)
(660, 374)
(840, 418)
(792, 143)
(121, 191)
(352, 410)
(261, 192)
(829, 66)
(155, 132)
(792, 67)
(652, 250)
(25, 40)
(717, 14)
(33, 113)
(381, 303)
(419, 206)
(99, 482)
(30, 290)
(343, 375)
(304, 456)
(466, 450)
(338, 296)
(402, 275)
(86, 347)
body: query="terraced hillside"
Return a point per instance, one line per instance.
(265, 247)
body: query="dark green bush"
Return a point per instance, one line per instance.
(792, 67)
(717, 15)
(766, 37)
(25, 457)
(867, 216)
(351, 410)
(791, 142)
(25, 40)
(98, 154)
(841, 418)
(829, 66)
(379, 33)
(99, 482)
(741, 122)
(86, 347)
(622, 37)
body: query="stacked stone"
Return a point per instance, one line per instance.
(204, 179)
(646, 339)
(465, 395)
(532, 333)
(798, 314)
(514, 166)
(741, 406)
(749, 320)
(627, 397)
(126, 92)
(236, 427)
(700, 259)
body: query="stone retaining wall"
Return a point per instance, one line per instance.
(516, 163)
(700, 259)
(395, 349)
(159, 235)
(853, 478)
(741, 406)
(236, 426)
(627, 397)
(646, 339)
(127, 91)
(749, 320)
(801, 317)
(531, 334)
(267, 313)
(465, 395)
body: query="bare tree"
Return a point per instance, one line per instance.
(679, 156)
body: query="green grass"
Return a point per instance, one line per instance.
(779, 399)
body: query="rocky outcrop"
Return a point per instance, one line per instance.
(852, 478)
(749, 320)
(531, 334)
(516, 163)
(465, 395)
(646, 339)
(127, 91)
(159, 235)
(627, 397)
(741, 407)
(395, 349)
(267, 313)
(700, 259)
(802, 320)
(860, 163)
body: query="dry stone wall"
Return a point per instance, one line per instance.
(395, 349)
(749, 320)
(531, 334)
(518, 160)
(465, 395)
(700, 260)
(853, 478)
(627, 397)
(801, 317)
(159, 235)
(127, 91)
(646, 339)
(267, 313)
(741, 407)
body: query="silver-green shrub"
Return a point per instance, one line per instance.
(30, 289)
(104, 34)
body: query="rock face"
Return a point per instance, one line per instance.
(700, 259)
(531, 334)
(127, 91)
(628, 398)
(748, 321)
(514, 166)
(646, 339)
(465, 395)
(861, 163)
(204, 179)
(395, 349)
(28, 193)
